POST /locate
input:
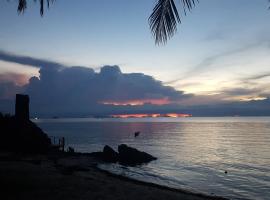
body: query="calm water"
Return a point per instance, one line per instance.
(193, 152)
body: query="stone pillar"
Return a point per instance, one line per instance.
(22, 107)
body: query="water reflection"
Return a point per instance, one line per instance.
(193, 152)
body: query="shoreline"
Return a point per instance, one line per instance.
(162, 187)
(75, 176)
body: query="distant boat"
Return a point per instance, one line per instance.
(136, 134)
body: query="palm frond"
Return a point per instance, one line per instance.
(22, 5)
(165, 17)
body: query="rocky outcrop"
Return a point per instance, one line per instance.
(132, 156)
(126, 155)
(109, 155)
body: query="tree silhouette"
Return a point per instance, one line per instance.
(165, 17)
(22, 5)
(163, 21)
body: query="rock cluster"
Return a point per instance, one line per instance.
(126, 155)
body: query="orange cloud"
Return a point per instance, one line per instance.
(18, 79)
(138, 102)
(154, 115)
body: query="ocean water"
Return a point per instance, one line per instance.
(193, 153)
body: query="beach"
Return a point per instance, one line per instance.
(76, 177)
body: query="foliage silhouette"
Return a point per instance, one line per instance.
(165, 17)
(22, 136)
(22, 5)
(163, 21)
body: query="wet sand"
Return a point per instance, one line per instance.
(76, 177)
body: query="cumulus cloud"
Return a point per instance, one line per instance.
(81, 89)
(61, 89)
(17, 78)
(9, 89)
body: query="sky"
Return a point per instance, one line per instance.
(216, 64)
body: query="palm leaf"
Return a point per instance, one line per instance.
(22, 5)
(165, 17)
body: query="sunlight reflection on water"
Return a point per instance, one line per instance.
(193, 152)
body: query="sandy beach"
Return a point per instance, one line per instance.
(75, 177)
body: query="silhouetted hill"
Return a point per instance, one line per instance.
(22, 136)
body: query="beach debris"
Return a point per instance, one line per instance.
(132, 156)
(109, 155)
(137, 133)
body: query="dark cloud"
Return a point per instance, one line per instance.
(60, 89)
(81, 89)
(9, 89)
(26, 60)
(257, 76)
(241, 91)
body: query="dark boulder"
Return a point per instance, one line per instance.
(109, 155)
(132, 156)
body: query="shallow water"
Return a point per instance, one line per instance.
(193, 152)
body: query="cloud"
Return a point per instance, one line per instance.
(9, 89)
(60, 89)
(257, 76)
(27, 60)
(81, 89)
(209, 62)
(17, 78)
(241, 91)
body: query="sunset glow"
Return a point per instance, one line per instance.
(154, 115)
(138, 102)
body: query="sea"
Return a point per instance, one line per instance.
(193, 153)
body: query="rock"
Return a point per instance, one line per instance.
(109, 155)
(132, 156)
